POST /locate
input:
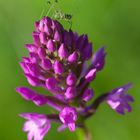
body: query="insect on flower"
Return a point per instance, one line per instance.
(59, 14)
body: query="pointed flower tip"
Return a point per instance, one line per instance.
(24, 67)
(102, 50)
(33, 80)
(90, 75)
(57, 36)
(51, 46)
(62, 52)
(26, 59)
(26, 115)
(31, 47)
(123, 89)
(129, 85)
(73, 57)
(36, 25)
(26, 93)
(98, 59)
(40, 100)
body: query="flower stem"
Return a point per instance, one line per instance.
(83, 133)
(94, 106)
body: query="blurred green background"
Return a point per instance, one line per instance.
(114, 23)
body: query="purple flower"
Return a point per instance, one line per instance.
(118, 99)
(52, 54)
(68, 116)
(37, 125)
(58, 61)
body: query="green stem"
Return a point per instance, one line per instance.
(94, 106)
(83, 133)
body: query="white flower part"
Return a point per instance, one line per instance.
(37, 125)
(120, 89)
(113, 105)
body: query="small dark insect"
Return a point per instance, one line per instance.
(62, 16)
(68, 16)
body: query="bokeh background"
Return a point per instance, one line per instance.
(113, 23)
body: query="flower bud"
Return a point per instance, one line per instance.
(70, 92)
(90, 75)
(73, 57)
(51, 46)
(88, 95)
(46, 64)
(42, 37)
(62, 52)
(26, 93)
(58, 67)
(33, 80)
(51, 83)
(31, 47)
(57, 36)
(71, 79)
(41, 53)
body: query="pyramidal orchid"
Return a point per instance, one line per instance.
(58, 62)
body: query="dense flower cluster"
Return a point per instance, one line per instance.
(58, 62)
